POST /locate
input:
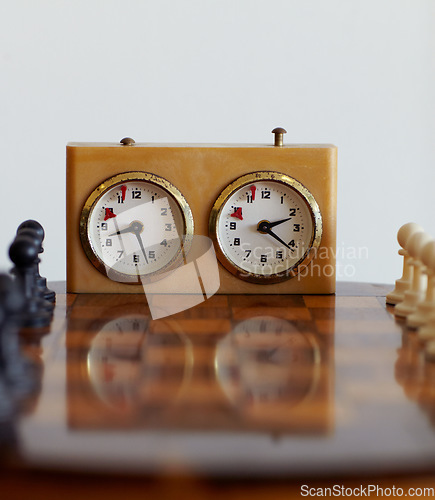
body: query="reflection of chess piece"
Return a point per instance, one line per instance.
(408, 368)
(426, 307)
(403, 283)
(415, 375)
(430, 351)
(415, 294)
(6, 405)
(426, 333)
(20, 376)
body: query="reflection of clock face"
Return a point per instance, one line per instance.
(267, 359)
(266, 226)
(133, 362)
(115, 359)
(134, 224)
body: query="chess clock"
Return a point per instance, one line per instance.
(133, 210)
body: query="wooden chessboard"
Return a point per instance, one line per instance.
(288, 390)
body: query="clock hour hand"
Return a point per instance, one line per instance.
(136, 228)
(264, 227)
(278, 222)
(129, 229)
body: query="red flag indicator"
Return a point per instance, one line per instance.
(109, 214)
(237, 213)
(253, 189)
(123, 191)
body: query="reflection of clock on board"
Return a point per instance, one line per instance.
(275, 362)
(113, 362)
(133, 209)
(131, 360)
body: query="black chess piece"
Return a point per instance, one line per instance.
(6, 409)
(20, 377)
(2, 322)
(19, 373)
(12, 298)
(23, 253)
(39, 291)
(12, 301)
(39, 230)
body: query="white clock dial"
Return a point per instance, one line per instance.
(134, 225)
(265, 225)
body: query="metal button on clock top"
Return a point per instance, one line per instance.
(134, 226)
(266, 227)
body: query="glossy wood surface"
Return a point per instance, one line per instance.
(241, 395)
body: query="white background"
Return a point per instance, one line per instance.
(359, 74)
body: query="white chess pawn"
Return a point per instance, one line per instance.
(416, 293)
(403, 283)
(427, 331)
(427, 306)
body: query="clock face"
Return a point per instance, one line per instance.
(266, 226)
(134, 226)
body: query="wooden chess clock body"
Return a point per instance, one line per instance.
(133, 210)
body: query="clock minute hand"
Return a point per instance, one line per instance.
(271, 233)
(136, 229)
(139, 239)
(264, 227)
